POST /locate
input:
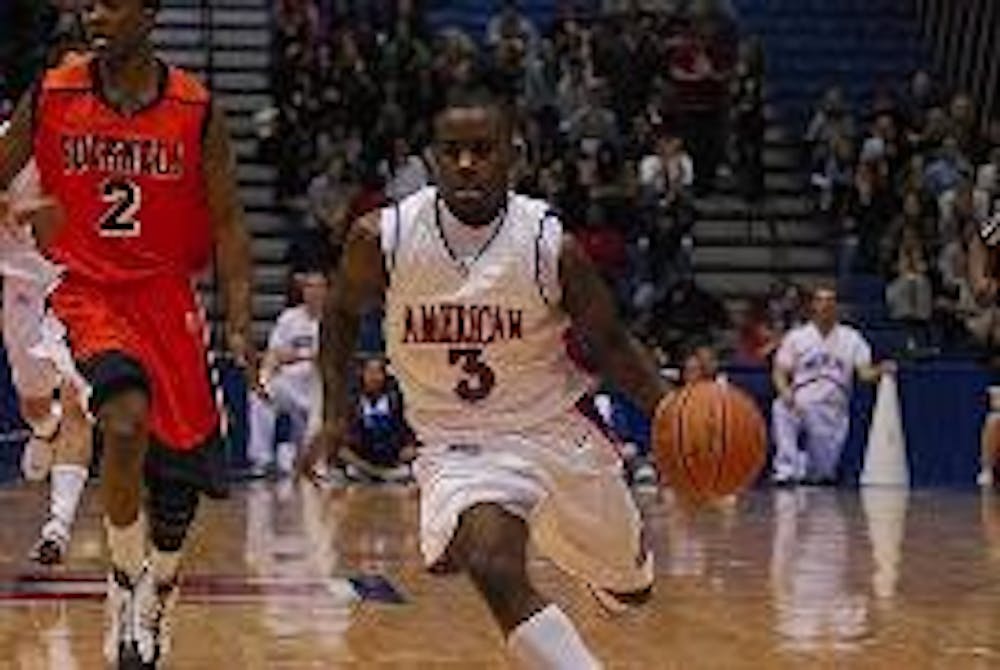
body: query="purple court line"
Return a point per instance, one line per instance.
(206, 588)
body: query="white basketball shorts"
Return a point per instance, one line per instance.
(35, 341)
(564, 478)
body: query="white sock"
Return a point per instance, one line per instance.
(165, 565)
(549, 641)
(127, 546)
(66, 489)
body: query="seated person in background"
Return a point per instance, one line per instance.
(289, 378)
(813, 376)
(909, 296)
(380, 443)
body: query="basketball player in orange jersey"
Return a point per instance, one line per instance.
(138, 157)
(480, 287)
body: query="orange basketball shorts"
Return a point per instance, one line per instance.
(157, 323)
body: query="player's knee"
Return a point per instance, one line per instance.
(120, 396)
(125, 417)
(490, 549)
(171, 510)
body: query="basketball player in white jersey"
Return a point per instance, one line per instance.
(60, 443)
(480, 287)
(813, 375)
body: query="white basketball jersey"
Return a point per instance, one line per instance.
(478, 345)
(19, 256)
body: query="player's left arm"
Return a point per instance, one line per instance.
(234, 260)
(590, 305)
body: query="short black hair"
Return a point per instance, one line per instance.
(478, 94)
(151, 4)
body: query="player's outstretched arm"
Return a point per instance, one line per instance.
(16, 147)
(357, 284)
(621, 358)
(233, 256)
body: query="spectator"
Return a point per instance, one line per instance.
(748, 118)
(833, 177)
(831, 120)
(593, 124)
(787, 307)
(405, 171)
(685, 312)
(946, 169)
(986, 196)
(756, 339)
(666, 179)
(289, 379)
(510, 24)
(700, 64)
(909, 296)
(380, 444)
(913, 216)
(870, 214)
(318, 244)
(964, 125)
(693, 371)
(918, 99)
(958, 210)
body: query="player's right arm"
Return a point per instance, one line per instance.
(16, 147)
(357, 284)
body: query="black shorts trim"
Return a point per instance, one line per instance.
(111, 374)
(203, 467)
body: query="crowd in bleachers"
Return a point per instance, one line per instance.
(622, 120)
(906, 182)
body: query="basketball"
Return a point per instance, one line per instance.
(709, 440)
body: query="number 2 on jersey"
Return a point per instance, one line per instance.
(124, 198)
(480, 380)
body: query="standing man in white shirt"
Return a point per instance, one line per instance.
(290, 378)
(813, 375)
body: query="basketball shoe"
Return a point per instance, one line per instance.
(155, 602)
(50, 549)
(120, 619)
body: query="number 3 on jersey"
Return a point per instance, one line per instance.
(124, 198)
(480, 380)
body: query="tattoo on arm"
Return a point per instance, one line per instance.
(591, 306)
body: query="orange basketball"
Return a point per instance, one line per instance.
(710, 441)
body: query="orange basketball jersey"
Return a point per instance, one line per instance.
(131, 185)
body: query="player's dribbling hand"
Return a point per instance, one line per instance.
(245, 357)
(888, 368)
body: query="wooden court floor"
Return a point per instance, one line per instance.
(286, 577)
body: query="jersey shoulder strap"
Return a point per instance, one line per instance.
(183, 86)
(74, 77)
